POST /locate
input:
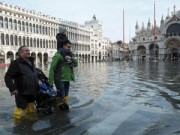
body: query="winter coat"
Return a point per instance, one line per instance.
(60, 70)
(22, 76)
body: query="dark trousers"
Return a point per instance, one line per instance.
(23, 100)
(62, 88)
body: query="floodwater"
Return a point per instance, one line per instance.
(114, 98)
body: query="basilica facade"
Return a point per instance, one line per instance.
(20, 26)
(157, 42)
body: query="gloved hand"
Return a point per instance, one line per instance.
(15, 92)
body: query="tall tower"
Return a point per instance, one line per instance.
(96, 26)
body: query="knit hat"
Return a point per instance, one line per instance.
(62, 30)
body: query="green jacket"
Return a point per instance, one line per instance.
(61, 70)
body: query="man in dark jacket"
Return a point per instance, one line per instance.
(22, 81)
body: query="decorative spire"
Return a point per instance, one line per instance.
(137, 26)
(94, 17)
(142, 26)
(168, 16)
(149, 23)
(174, 9)
(162, 20)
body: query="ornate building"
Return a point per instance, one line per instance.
(99, 44)
(20, 26)
(164, 45)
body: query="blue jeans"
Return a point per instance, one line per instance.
(62, 88)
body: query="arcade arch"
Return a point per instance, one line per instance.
(153, 50)
(172, 49)
(141, 52)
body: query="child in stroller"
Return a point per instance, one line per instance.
(46, 95)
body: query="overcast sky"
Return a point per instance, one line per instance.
(108, 12)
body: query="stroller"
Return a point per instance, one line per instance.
(46, 96)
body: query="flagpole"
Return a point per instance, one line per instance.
(154, 31)
(123, 34)
(123, 24)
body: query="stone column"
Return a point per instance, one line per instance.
(42, 62)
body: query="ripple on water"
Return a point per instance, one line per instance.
(104, 92)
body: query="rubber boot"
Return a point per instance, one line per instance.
(31, 111)
(61, 105)
(30, 108)
(65, 100)
(18, 113)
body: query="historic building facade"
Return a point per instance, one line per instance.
(20, 26)
(99, 44)
(164, 45)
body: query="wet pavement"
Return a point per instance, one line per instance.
(115, 98)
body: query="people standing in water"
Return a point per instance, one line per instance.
(61, 71)
(22, 81)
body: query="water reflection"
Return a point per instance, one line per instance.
(140, 95)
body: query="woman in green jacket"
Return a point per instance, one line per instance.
(61, 73)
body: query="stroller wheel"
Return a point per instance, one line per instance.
(64, 107)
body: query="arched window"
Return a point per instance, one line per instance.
(27, 41)
(173, 28)
(34, 42)
(30, 25)
(48, 30)
(15, 24)
(43, 30)
(11, 40)
(40, 43)
(20, 43)
(49, 44)
(31, 45)
(44, 43)
(16, 42)
(23, 26)
(27, 27)
(1, 22)
(40, 32)
(7, 39)
(34, 28)
(2, 39)
(24, 41)
(6, 23)
(19, 25)
(37, 29)
(10, 24)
